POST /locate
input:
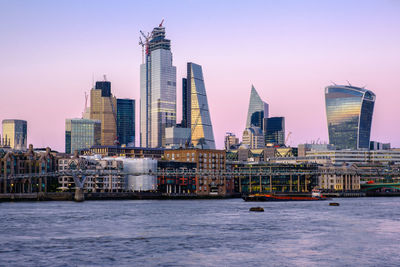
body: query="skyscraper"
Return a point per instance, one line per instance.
(185, 106)
(258, 110)
(197, 112)
(126, 121)
(103, 107)
(349, 112)
(274, 130)
(81, 134)
(253, 137)
(157, 90)
(15, 134)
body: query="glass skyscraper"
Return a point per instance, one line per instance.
(197, 112)
(258, 110)
(81, 134)
(274, 130)
(15, 134)
(126, 121)
(157, 90)
(349, 112)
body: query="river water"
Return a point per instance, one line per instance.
(360, 232)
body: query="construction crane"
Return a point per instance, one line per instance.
(287, 137)
(144, 43)
(161, 23)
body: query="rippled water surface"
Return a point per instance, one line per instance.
(360, 232)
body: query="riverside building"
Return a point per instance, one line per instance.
(157, 89)
(349, 112)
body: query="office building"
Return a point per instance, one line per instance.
(103, 107)
(258, 110)
(176, 137)
(253, 138)
(231, 141)
(81, 134)
(274, 131)
(349, 112)
(195, 105)
(157, 90)
(15, 134)
(126, 122)
(185, 107)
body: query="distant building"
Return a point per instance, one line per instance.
(103, 107)
(81, 134)
(349, 112)
(195, 104)
(303, 148)
(253, 137)
(15, 134)
(274, 130)
(129, 152)
(258, 110)
(157, 90)
(356, 156)
(176, 137)
(185, 104)
(373, 145)
(231, 141)
(126, 121)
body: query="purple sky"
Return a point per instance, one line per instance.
(289, 50)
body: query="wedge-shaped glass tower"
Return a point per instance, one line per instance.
(258, 110)
(196, 98)
(349, 114)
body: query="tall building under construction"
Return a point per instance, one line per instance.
(157, 89)
(103, 107)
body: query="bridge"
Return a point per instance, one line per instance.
(374, 186)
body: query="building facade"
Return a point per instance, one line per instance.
(258, 110)
(253, 138)
(177, 137)
(349, 112)
(197, 111)
(231, 141)
(157, 90)
(274, 131)
(103, 107)
(15, 134)
(81, 134)
(126, 121)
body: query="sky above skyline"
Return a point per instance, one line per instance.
(289, 50)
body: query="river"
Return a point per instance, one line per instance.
(360, 232)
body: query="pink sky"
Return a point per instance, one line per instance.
(289, 51)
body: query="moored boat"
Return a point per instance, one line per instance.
(273, 197)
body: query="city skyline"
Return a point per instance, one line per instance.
(289, 62)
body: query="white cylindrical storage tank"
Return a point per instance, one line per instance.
(136, 180)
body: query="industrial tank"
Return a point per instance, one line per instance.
(135, 180)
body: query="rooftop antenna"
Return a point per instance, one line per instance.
(92, 81)
(104, 77)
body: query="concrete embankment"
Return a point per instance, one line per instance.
(71, 196)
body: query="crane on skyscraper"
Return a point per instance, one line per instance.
(144, 43)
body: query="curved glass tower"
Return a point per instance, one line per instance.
(349, 112)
